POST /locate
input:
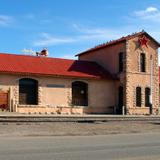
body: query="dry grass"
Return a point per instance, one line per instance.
(69, 128)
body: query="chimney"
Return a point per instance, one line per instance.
(44, 52)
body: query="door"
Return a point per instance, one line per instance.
(3, 101)
(120, 100)
(79, 93)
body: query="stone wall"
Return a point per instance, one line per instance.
(101, 96)
(135, 78)
(131, 77)
(106, 57)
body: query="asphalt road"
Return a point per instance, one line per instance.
(109, 147)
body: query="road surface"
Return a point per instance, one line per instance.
(109, 147)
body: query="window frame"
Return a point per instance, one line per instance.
(78, 98)
(142, 62)
(147, 97)
(120, 62)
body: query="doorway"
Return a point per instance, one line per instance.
(28, 91)
(120, 100)
(79, 93)
(4, 101)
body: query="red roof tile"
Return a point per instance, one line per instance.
(22, 64)
(122, 39)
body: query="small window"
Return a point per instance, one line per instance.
(142, 62)
(121, 62)
(138, 96)
(147, 97)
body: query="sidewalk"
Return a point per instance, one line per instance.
(18, 117)
(71, 115)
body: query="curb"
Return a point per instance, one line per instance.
(74, 118)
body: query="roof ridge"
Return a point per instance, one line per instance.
(129, 35)
(111, 42)
(14, 54)
(52, 58)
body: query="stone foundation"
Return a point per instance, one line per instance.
(142, 111)
(37, 109)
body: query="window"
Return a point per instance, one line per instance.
(147, 97)
(79, 93)
(121, 62)
(142, 62)
(28, 91)
(138, 96)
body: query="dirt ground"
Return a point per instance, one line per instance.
(75, 128)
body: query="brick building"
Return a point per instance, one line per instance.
(119, 75)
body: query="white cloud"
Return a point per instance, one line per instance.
(150, 13)
(48, 40)
(84, 34)
(90, 30)
(68, 56)
(151, 9)
(5, 20)
(102, 34)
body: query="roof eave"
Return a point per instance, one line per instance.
(55, 75)
(98, 48)
(152, 39)
(143, 32)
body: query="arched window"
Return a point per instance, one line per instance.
(142, 62)
(79, 93)
(147, 97)
(138, 96)
(28, 91)
(121, 62)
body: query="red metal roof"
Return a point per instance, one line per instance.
(22, 64)
(122, 39)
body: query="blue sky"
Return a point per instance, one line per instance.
(67, 27)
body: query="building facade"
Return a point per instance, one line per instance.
(120, 76)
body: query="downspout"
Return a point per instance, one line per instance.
(151, 85)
